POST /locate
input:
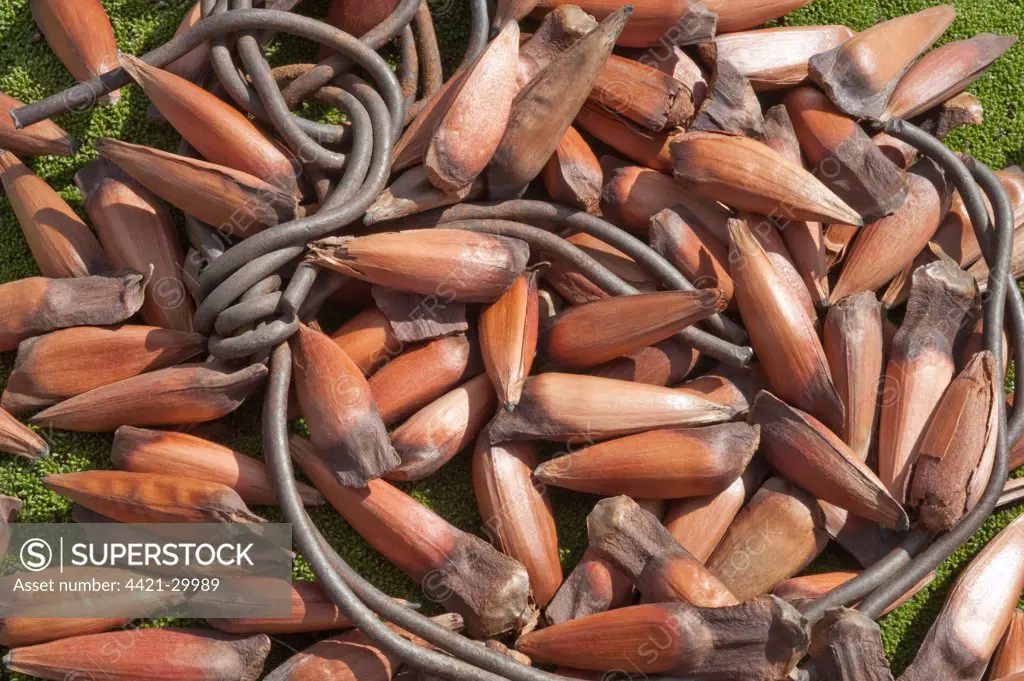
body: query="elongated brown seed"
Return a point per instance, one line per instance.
(582, 409)
(431, 437)
(664, 363)
(559, 30)
(61, 244)
(696, 643)
(586, 336)
(470, 132)
(137, 232)
(632, 195)
(15, 438)
(686, 21)
(920, 366)
(459, 264)
(1009, 657)
(643, 549)
(189, 393)
(699, 523)
(420, 375)
(955, 453)
(217, 130)
(25, 631)
(138, 450)
(312, 610)
(343, 420)
(233, 201)
(81, 36)
(776, 535)
(861, 74)
(876, 257)
(650, 149)
(643, 94)
(461, 571)
(944, 72)
(799, 447)
(152, 498)
(968, 628)
(854, 346)
(69, 362)
(740, 15)
(749, 175)
(648, 465)
(844, 157)
(508, 330)
(516, 512)
(780, 331)
(44, 138)
(413, 193)
(733, 387)
(573, 175)
(154, 655)
(775, 58)
(194, 64)
(34, 306)
(679, 237)
(595, 585)
(414, 141)
(732, 105)
(368, 340)
(544, 109)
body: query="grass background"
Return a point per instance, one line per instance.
(29, 71)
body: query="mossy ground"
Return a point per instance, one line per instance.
(29, 71)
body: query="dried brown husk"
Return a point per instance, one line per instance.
(595, 585)
(188, 393)
(454, 263)
(731, 105)
(233, 201)
(854, 346)
(956, 235)
(654, 22)
(583, 409)
(512, 10)
(750, 175)
(151, 655)
(781, 333)
(844, 157)
(846, 644)
(137, 232)
(976, 613)
(767, 234)
(44, 138)
(802, 449)
(81, 36)
(573, 175)
(37, 305)
(344, 424)
(1009, 657)
(368, 340)
(72, 361)
(418, 376)
(699, 523)
(735, 387)
(757, 640)
(638, 544)
(160, 452)
(586, 336)
(412, 145)
(963, 109)
(633, 195)
(415, 318)
(776, 535)
(643, 94)
(945, 72)
(61, 244)
(152, 498)
(16, 438)
(648, 465)
(508, 330)
(560, 28)
(471, 129)
(218, 131)
(776, 58)
(920, 366)
(876, 256)
(679, 237)
(546, 106)
(458, 570)
(516, 512)
(955, 454)
(837, 240)
(636, 143)
(664, 363)
(433, 436)
(414, 193)
(861, 74)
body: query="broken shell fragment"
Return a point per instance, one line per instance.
(138, 450)
(81, 36)
(573, 175)
(69, 362)
(649, 466)
(775, 58)
(861, 74)
(583, 409)
(516, 512)
(44, 138)
(508, 330)
(662, 570)
(151, 498)
(464, 265)
(188, 393)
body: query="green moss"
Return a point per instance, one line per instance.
(29, 71)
